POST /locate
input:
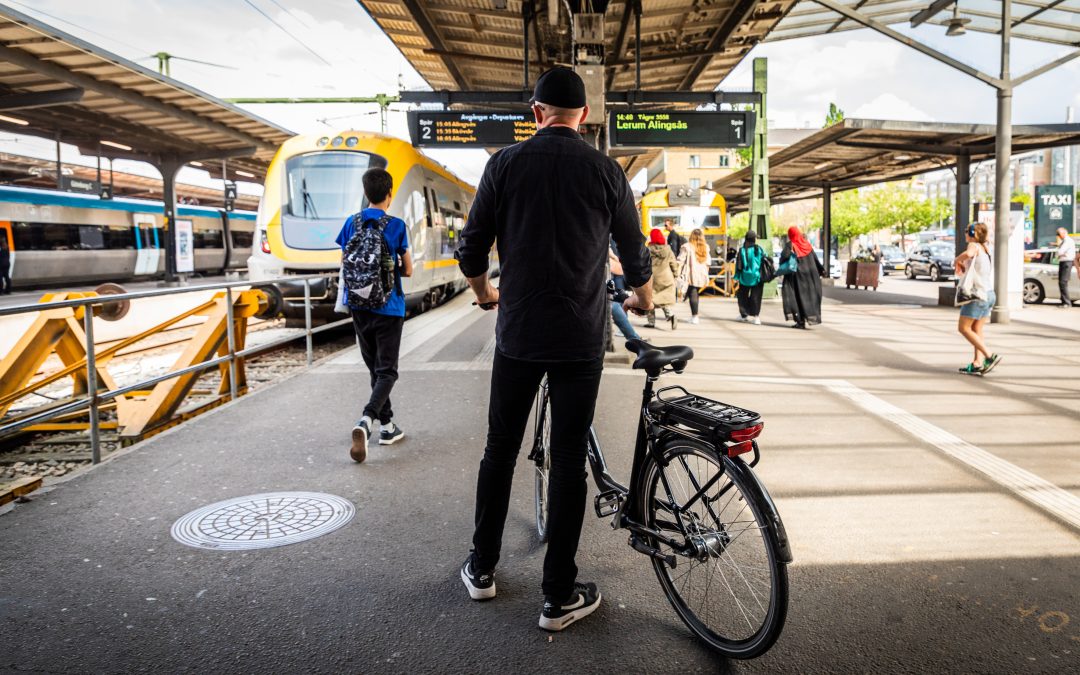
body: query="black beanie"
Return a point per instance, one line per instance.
(560, 87)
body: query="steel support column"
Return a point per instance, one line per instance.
(759, 181)
(826, 226)
(1003, 156)
(169, 167)
(962, 215)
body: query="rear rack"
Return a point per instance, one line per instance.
(701, 414)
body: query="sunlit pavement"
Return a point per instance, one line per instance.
(933, 515)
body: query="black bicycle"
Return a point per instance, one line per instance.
(694, 507)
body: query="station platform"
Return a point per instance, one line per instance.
(924, 540)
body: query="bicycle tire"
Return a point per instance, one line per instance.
(759, 640)
(542, 467)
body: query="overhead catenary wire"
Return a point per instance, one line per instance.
(287, 32)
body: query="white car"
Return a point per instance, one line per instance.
(1041, 277)
(835, 269)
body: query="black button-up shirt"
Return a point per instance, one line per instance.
(551, 204)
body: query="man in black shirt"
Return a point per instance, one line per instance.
(550, 204)
(674, 239)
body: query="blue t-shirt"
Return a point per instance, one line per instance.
(397, 239)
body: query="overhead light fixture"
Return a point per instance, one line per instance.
(14, 120)
(822, 165)
(955, 25)
(113, 144)
(245, 174)
(195, 163)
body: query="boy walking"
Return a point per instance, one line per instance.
(376, 301)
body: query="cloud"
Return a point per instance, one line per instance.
(889, 107)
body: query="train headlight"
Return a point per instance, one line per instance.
(264, 242)
(323, 141)
(351, 141)
(337, 141)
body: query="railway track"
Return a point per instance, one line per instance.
(55, 454)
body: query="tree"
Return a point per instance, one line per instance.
(895, 206)
(834, 116)
(849, 217)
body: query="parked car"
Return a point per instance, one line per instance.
(892, 259)
(935, 260)
(1041, 277)
(835, 270)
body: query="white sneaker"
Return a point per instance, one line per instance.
(744, 319)
(756, 321)
(694, 320)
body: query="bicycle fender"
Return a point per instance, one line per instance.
(764, 501)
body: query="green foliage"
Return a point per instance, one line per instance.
(744, 156)
(834, 116)
(1026, 199)
(738, 225)
(892, 206)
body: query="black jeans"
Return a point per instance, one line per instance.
(1065, 270)
(692, 296)
(379, 338)
(573, 386)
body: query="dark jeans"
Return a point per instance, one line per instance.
(5, 276)
(573, 386)
(379, 338)
(1065, 270)
(692, 296)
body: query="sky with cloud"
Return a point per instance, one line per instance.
(324, 48)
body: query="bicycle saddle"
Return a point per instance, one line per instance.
(652, 359)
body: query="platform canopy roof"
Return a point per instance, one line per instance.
(859, 152)
(57, 86)
(478, 44)
(1052, 21)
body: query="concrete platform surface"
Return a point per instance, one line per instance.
(929, 514)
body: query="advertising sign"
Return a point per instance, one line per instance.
(1054, 207)
(185, 246)
(481, 129)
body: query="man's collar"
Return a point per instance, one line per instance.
(565, 132)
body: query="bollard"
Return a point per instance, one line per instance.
(91, 384)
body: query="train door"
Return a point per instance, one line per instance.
(148, 249)
(8, 236)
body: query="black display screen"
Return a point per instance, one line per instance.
(675, 128)
(486, 129)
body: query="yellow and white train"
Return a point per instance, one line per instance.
(314, 184)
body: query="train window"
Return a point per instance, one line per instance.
(242, 239)
(114, 237)
(325, 185)
(65, 237)
(209, 239)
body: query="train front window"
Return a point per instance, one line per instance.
(327, 185)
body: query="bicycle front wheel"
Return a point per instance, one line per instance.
(730, 589)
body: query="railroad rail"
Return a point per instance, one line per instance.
(65, 326)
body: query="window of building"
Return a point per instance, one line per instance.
(724, 160)
(695, 161)
(695, 183)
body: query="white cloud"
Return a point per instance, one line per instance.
(889, 107)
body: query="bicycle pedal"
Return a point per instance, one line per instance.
(608, 503)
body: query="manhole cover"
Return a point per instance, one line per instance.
(263, 521)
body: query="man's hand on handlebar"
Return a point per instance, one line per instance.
(640, 301)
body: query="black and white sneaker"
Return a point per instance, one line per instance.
(481, 585)
(582, 602)
(391, 435)
(360, 434)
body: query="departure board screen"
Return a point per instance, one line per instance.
(676, 128)
(485, 129)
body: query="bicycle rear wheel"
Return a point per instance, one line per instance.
(541, 455)
(732, 592)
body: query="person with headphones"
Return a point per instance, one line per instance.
(974, 314)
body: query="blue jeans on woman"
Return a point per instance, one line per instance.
(618, 315)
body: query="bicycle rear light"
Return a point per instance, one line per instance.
(739, 448)
(747, 434)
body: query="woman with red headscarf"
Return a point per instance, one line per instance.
(801, 288)
(664, 268)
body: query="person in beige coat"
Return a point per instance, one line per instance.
(664, 268)
(694, 269)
